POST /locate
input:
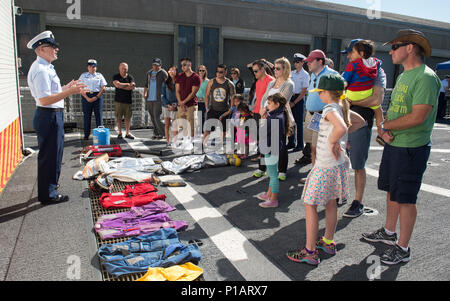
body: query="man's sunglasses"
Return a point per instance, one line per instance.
(221, 72)
(397, 46)
(50, 45)
(255, 71)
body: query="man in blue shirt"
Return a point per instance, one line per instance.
(317, 67)
(48, 120)
(92, 99)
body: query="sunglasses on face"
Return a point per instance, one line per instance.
(221, 72)
(185, 64)
(255, 71)
(397, 46)
(233, 72)
(201, 70)
(52, 46)
(278, 68)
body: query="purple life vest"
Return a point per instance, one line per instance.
(138, 221)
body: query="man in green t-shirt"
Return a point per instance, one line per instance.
(407, 132)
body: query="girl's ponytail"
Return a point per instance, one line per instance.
(345, 105)
(345, 110)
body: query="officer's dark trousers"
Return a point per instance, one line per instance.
(49, 127)
(88, 107)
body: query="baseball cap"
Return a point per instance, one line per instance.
(315, 54)
(330, 82)
(350, 46)
(157, 61)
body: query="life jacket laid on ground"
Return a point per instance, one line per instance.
(184, 272)
(161, 248)
(131, 196)
(137, 221)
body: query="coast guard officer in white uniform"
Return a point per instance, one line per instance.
(93, 99)
(48, 121)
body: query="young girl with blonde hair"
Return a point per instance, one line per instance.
(328, 179)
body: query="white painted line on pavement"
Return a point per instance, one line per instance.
(424, 187)
(245, 257)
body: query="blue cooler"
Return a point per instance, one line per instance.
(101, 136)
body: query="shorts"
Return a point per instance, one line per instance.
(169, 114)
(187, 114)
(122, 109)
(401, 172)
(309, 136)
(212, 114)
(324, 184)
(359, 147)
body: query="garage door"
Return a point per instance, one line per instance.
(109, 48)
(10, 137)
(238, 53)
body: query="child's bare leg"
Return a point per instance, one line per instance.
(330, 219)
(312, 226)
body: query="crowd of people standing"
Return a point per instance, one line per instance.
(325, 115)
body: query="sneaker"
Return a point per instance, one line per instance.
(304, 256)
(282, 176)
(119, 136)
(263, 196)
(355, 210)
(259, 173)
(380, 236)
(269, 204)
(343, 202)
(129, 136)
(303, 181)
(396, 255)
(303, 161)
(327, 248)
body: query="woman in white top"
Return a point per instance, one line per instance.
(283, 84)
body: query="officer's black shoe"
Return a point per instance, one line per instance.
(56, 200)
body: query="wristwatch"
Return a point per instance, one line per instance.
(382, 127)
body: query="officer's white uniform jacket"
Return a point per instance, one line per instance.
(43, 81)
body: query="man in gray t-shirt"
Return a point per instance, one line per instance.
(359, 142)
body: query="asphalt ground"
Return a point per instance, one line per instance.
(241, 241)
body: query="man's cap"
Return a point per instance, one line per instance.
(447, 76)
(45, 37)
(350, 46)
(298, 57)
(414, 36)
(315, 54)
(92, 62)
(330, 82)
(157, 61)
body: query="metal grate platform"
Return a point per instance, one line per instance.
(98, 210)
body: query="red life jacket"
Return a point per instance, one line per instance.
(131, 196)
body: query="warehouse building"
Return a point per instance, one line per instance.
(234, 32)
